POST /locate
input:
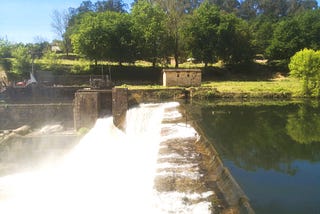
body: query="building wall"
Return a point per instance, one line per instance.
(181, 77)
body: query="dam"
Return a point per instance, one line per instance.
(146, 157)
(187, 162)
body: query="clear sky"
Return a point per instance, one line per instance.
(25, 20)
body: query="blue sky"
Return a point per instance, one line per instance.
(25, 20)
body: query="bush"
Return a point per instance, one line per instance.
(305, 65)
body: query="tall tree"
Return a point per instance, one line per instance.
(214, 35)
(248, 9)
(60, 23)
(22, 60)
(88, 37)
(229, 6)
(176, 11)
(286, 40)
(104, 36)
(110, 5)
(294, 34)
(262, 32)
(149, 28)
(298, 6)
(5, 48)
(201, 33)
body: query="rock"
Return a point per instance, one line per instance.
(49, 129)
(23, 130)
(8, 137)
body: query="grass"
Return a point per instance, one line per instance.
(252, 88)
(288, 85)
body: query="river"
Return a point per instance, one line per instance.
(272, 149)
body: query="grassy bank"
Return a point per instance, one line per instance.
(277, 88)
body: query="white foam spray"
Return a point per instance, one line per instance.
(107, 172)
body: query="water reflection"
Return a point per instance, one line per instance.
(264, 136)
(272, 150)
(303, 126)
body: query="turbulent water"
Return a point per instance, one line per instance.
(146, 169)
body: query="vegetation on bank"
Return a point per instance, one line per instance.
(284, 88)
(222, 38)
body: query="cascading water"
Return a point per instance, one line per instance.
(146, 169)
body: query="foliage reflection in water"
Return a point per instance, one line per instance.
(272, 150)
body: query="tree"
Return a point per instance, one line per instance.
(212, 35)
(201, 32)
(104, 36)
(60, 23)
(5, 48)
(89, 37)
(110, 5)
(262, 32)
(234, 40)
(22, 62)
(295, 33)
(248, 9)
(176, 11)
(305, 65)
(229, 6)
(296, 7)
(150, 32)
(286, 40)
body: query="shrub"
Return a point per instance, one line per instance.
(305, 65)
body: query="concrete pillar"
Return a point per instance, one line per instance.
(119, 106)
(86, 108)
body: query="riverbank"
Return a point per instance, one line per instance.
(284, 88)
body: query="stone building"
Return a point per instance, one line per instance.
(181, 77)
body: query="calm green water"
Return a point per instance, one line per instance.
(272, 150)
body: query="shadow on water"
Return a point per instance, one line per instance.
(272, 150)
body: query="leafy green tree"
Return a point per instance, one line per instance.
(22, 60)
(286, 40)
(229, 6)
(150, 32)
(5, 48)
(234, 40)
(214, 35)
(309, 25)
(305, 65)
(262, 32)
(104, 36)
(294, 34)
(250, 9)
(88, 38)
(295, 7)
(5, 52)
(176, 12)
(273, 9)
(101, 6)
(110, 5)
(201, 32)
(52, 61)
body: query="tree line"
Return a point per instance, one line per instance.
(208, 30)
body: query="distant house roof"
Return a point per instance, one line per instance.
(55, 48)
(182, 70)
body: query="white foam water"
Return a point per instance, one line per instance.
(109, 171)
